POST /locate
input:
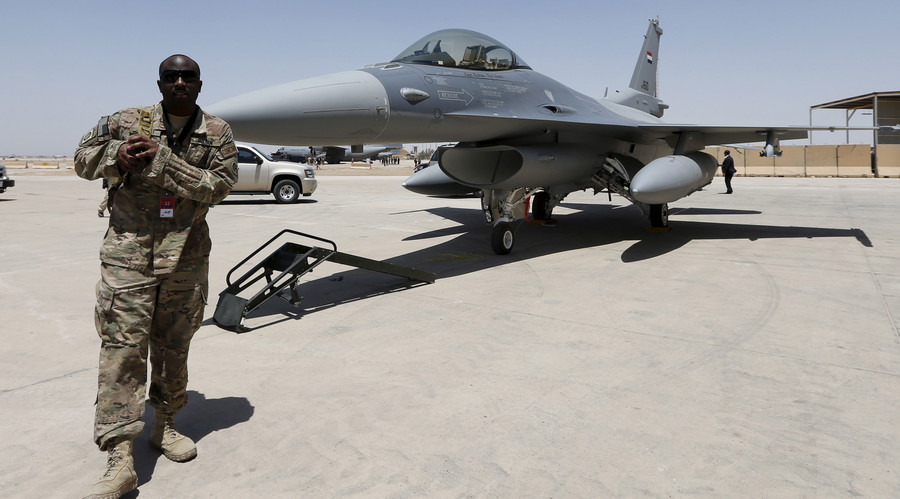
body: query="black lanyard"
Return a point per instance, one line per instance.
(174, 144)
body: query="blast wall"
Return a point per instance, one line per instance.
(841, 160)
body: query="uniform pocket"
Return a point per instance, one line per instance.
(106, 327)
(105, 296)
(123, 313)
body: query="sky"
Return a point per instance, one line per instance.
(65, 64)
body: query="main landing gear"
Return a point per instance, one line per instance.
(659, 216)
(502, 208)
(541, 206)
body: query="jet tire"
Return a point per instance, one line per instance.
(502, 238)
(659, 215)
(540, 206)
(286, 191)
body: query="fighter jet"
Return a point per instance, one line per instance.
(521, 136)
(335, 154)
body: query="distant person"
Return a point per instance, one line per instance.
(728, 170)
(105, 204)
(171, 161)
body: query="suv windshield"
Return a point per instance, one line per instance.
(245, 156)
(461, 48)
(263, 154)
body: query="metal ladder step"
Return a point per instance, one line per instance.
(283, 268)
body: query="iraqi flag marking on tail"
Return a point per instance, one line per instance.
(650, 57)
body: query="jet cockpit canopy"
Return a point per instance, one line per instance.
(461, 48)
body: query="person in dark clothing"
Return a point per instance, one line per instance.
(728, 170)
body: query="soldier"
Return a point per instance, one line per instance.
(170, 161)
(105, 205)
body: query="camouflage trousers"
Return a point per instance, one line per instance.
(137, 311)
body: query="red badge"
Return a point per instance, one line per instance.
(166, 206)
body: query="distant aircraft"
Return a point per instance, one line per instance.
(335, 154)
(521, 135)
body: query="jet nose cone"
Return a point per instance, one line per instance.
(339, 108)
(651, 190)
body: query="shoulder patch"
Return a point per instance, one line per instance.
(229, 150)
(96, 134)
(86, 138)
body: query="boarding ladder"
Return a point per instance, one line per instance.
(283, 269)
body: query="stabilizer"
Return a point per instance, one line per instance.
(641, 93)
(644, 77)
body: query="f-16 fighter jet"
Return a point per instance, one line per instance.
(522, 137)
(335, 154)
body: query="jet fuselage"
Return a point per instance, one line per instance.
(519, 133)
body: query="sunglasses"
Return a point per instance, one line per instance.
(172, 75)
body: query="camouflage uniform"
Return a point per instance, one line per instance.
(153, 283)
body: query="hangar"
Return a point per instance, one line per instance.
(885, 107)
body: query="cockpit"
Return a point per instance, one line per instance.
(461, 48)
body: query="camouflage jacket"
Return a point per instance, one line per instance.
(202, 173)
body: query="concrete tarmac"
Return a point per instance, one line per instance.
(751, 351)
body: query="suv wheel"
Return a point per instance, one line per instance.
(286, 191)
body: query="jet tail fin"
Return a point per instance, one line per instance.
(641, 93)
(644, 78)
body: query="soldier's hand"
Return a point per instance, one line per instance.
(136, 152)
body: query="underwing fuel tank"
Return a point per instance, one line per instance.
(432, 181)
(671, 178)
(509, 167)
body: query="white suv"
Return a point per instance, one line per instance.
(258, 173)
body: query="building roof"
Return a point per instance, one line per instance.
(866, 101)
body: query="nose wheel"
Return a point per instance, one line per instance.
(502, 238)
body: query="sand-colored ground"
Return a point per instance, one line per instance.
(751, 351)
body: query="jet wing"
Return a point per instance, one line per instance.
(615, 126)
(705, 135)
(724, 134)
